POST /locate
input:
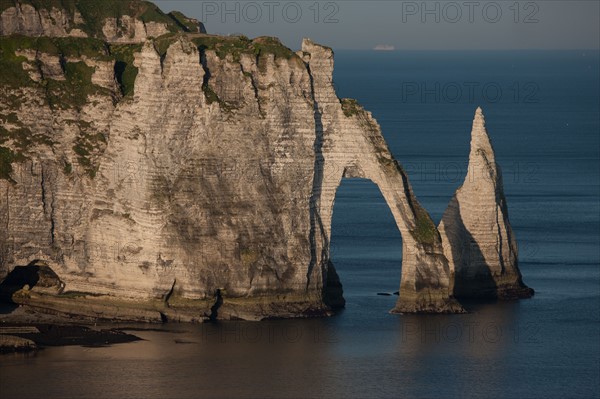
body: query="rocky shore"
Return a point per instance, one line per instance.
(24, 330)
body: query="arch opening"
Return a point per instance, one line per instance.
(366, 244)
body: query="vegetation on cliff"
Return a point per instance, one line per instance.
(20, 140)
(238, 45)
(350, 107)
(20, 64)
(425, 231)
(74, 62)
(12, 59)
(187, 24)
(94, 12)
(7, 157)
(86, 147)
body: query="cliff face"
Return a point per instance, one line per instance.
(478, 239)
(190, 177)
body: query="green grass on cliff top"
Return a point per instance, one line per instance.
(13, 75)
(95, 12)
(186, 23)
(72, 91)
(75, 89)
(238, 45)
(59, 46)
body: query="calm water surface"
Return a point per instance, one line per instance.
(545, 129)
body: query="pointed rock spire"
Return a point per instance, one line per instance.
(475, 229)
(480, 141)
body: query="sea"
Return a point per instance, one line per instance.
(542, 110)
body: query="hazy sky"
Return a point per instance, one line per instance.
(353, 24)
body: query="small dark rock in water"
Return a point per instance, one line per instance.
(182, 341)
(397, 293)
(384, 294)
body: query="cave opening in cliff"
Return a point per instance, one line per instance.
(27, 277)
(366, 245)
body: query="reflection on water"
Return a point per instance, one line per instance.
(493, 352)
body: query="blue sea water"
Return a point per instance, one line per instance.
(542, 111)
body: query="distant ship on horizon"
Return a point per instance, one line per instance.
(384, 47)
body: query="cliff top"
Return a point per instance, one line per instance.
(65, 52)
(107, 30)
(57, 27)
(90, 16)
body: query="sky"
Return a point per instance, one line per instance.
(409, 25)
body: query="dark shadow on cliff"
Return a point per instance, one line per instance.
(475, 287)
(315, 198)
(119, 70)
(334, 291)
(214, 310)
(519, 290)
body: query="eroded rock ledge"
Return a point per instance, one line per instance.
(192, 177)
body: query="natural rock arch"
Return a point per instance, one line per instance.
(349, 143)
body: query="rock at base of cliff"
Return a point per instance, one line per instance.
(10, 344)
(103, 307)
(334, 291)
(515, 292)
(431, 303)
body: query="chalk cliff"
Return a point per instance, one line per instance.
(478, 239)
(187, 176)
